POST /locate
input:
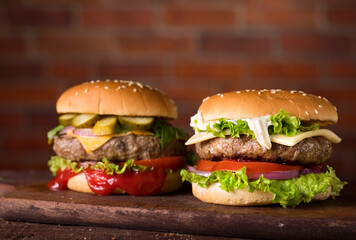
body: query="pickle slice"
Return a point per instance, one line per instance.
(66, 119)
(85, 120)
(140, 123)
(105, 126)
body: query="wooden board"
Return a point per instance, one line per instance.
(180, 212)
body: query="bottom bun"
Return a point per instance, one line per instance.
(79, 183)
(214, 194)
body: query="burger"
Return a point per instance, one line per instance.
(263, 147)
(113, 137)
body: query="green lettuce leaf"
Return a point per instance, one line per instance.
(57, 162)
(53, 132)
(288, 192)
(282, 123)
(164, 130)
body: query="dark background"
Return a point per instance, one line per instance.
(189, 49)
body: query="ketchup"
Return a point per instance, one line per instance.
(59, 182)
(134, 183)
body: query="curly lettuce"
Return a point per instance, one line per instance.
(282, 123)
(164, 130)
(288, 192)
(110, 168)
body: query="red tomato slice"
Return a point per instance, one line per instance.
(174, 163)
(251, 166)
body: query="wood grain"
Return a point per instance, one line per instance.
(180, 212)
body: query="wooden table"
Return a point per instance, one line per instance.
(28, 209)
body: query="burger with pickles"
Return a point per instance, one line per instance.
(263, 147)
(113, 138)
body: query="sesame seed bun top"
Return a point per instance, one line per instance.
(249, 104)
(123, 98)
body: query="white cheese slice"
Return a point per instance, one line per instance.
(277, 138)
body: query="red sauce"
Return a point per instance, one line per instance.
(134, 183)
(59, 182)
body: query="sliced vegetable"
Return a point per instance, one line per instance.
(253, 169)
(142, 123)
(105, 126)
(53, 132)
(66, 119)
(85, 120)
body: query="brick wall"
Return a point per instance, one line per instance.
(189, 49)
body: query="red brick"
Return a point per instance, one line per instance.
(21, 143)
(281, 70)
(290, 16)
(27, 94)
(149, 43)
(344, 69)
(43, 120)
(10, 120)
(69, 42)
(69, 70)
(123, 70)
(208, 70)
(342, 16)
(12, 44)
(316, 43)
(201, 18)
(20, 69)
(118, 17)
(39, 17)
(344, 95)
(186, 93)
(228, 43)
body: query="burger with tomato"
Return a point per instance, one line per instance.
(263, 147)
(113, 137)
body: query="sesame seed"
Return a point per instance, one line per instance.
(116, 81)
(238, 92)
(319, 96)
(222, 95)
(130, 84)
(325, 99)
(106, 87)
(300, 91)
(320, 106)
(335, 108)
(107, 80)
(97, 80)
(86, 90)
(92, 81)
(259, 92)
(205, 99)
(253, 90)
(247, 90)
(273, 91)
(135, 89)
(278, 90)
(304, 94)
(306, 113)
(118, 88)
(218, 94)
(140, 85)
(293, 91)
(123, 86)
(316, 111)
(76, 93)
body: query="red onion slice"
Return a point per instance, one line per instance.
(310, 170)
(87, 132)
(200, 173)
(270, 175)
(66, 129)
(275, 175)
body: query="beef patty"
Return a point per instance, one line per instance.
(314, 150)
(121, 148)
